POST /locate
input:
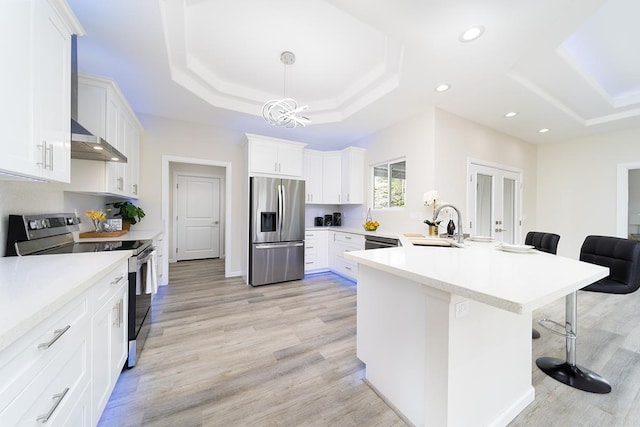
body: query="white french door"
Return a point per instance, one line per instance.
(198, 219)
(494, 200)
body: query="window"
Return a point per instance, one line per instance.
(389, 184)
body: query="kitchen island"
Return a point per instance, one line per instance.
(445, 333)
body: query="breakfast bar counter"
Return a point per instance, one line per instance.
(445, 332)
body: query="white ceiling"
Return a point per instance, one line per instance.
(362, 65)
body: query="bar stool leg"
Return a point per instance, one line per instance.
(567, 371)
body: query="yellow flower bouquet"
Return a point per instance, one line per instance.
(96, 217)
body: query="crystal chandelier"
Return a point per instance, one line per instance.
(285, 112)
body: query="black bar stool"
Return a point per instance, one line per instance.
(622, 256)
(545, 242)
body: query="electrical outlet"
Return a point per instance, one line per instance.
(462, 309)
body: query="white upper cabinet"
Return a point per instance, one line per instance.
(36, 79)
(334, 177)
(352, 175)
(313, 176)
(103, 110)
(276, 157)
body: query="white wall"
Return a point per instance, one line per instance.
(577, 186)
(165, 137)
(457, 140)
(412, 138)
(437, 146)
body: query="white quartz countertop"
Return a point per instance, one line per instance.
(34, 287)
(360, 231)
(131, 235)
(517, 282)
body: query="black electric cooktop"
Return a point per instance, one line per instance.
(81, 247)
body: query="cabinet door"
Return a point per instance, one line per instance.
(332, 178)
(313, 176)
(52, 93)
(132, 143)
(322, 249)
(115, 136)
(290, 160)
(264, 157)
(19, 153)
(352, 176)
(109, 349)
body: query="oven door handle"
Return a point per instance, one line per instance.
(146, 258)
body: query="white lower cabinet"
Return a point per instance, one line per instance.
(316, 251)
(340, 243)
(47, 374)
(109, 325)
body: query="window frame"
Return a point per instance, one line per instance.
(388, 163)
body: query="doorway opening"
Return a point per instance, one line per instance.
(197, 215)
(628, 209)
(174, 166)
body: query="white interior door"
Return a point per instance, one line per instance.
(198, 219)
(494, 203)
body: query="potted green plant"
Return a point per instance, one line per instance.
(130, 213)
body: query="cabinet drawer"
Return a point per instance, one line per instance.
(105, 288)
(346, 268)
(27, 357)
(310, 235)
(55, 390)
(356, 239)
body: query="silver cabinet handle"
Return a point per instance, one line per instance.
(56, 336)
(347, 238)
(57, 399)
(117, 280)
(43, 155)
(50, 150)
(135, 188)
(120, 183)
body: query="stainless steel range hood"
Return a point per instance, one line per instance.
(85, 145)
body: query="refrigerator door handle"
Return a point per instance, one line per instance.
(279, 245)
(281, 205)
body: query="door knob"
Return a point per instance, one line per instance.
(216, 222)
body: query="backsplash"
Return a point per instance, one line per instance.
(17, 197)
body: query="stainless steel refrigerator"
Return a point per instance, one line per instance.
(276, 226)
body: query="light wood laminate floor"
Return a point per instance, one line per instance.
(221, 353)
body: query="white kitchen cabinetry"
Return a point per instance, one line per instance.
(313, 176)
(352, 176)
(36, 79)
(48, 373)
(109, 324)
(103, 110)
(340, 243)
(332, 177)
(316, 251)
(50, 364)
(276, 157)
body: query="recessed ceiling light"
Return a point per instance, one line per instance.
(543, 130)
(97, 147)
(115, 159)
(442, 87)
(471, 34)
(511, 114)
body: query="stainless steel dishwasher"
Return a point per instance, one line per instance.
(377, 242)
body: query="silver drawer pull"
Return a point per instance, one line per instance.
(116, 281)
(58, 398)
(348, 268)
(56, 336)
(347, 238)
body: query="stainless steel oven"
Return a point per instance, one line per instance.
(53, 234)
